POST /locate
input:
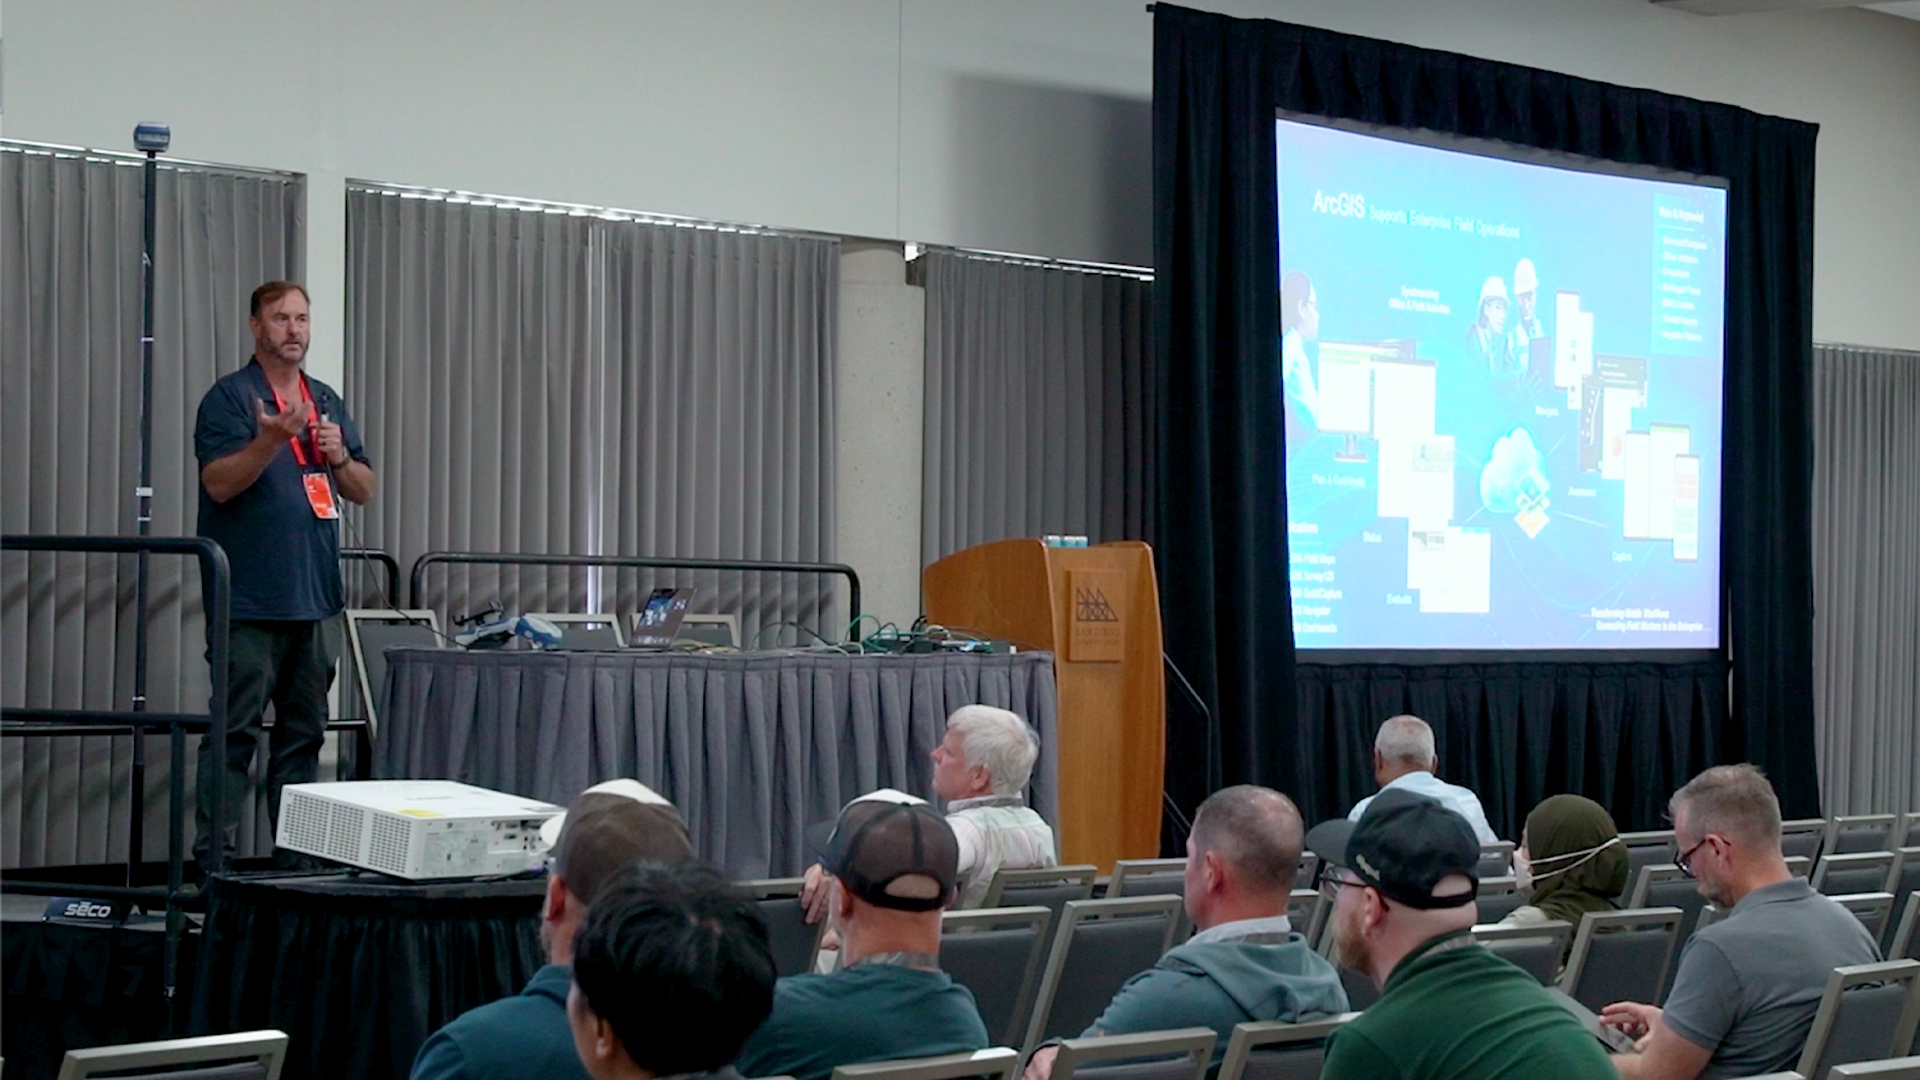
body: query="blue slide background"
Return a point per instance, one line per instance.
(1586, 232)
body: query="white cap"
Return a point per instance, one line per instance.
(632, 789)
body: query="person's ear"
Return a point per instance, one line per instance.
(555, 908)
(1375, 913)
(1214, 871)
(602, 1042)
(842, 901)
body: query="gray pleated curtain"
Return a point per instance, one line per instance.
(1866, 564)
(1035, 407)
(539, 379)
(70, 240)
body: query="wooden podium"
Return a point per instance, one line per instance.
(1097, 609)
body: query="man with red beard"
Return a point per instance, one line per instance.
(1403, 887)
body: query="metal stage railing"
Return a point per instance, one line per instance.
(216, 585)
(484, 558)
(387, 562)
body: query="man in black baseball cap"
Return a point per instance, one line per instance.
(893, 860)
(1402, 884)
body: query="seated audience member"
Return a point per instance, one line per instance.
(1404, 759)
(1245, 962)
(1570, 861)
(891, 862)
(671, 973)
(1449, 1009)
(1747, 987)
(609, 827)
(981, 769)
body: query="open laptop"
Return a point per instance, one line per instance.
(658, 620)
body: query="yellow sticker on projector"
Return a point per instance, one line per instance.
(419, 813)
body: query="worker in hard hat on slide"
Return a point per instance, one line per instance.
(1489, 334)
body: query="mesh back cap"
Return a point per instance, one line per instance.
(894, 851)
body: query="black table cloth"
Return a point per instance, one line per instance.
(359, 970)
(752, 746)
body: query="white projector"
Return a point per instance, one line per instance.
(417, 829)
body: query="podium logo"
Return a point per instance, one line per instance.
(1090, 605)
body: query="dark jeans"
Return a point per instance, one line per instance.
(291, 665)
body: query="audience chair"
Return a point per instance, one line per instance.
(1309, 866)
(1496, 859)
(1861, 832)
(1709, 915)
(1621, 956)
(1905, 943)
(586, 631)
(1654, 849)
(1667, 886)
(1179, 1054)
(1097, 946)
(1869, 1012)
(1859, 872)
(1498, 899)
(1049, 887)
(1534, 949)
(1905, 878)
(245, 1055)
(1802, 837)
(1909, 831)
(1153, 877)
(1799, 866)
(795, 944)
(1307, 910)
(1874, 910)
(1901, 1068)
(994, 1063)
(997, 954)
(1276, 1050)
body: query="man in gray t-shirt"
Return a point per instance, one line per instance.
(1747, 987)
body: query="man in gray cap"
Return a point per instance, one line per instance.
(610, 827)
(1403, 887)
(893, 861)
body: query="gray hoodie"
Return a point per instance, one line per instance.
(1223, 983)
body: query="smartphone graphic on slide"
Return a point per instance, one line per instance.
(1686, 507)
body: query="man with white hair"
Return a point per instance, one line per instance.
(1404, 759)
(981, 769)
(610, 827)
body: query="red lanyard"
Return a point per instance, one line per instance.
(299, 455)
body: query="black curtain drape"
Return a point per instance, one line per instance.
(1624, 734)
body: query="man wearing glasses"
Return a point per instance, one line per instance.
(1747, 987)
(1403, 884)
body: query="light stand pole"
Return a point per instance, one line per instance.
(153, 139)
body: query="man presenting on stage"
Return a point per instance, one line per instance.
(277, 452)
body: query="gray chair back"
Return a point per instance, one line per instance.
(1049, 887)
(1496, 860)
(994, 1063)
(1361, 992)
(244, 1055)
(1177, 1054)
(795, 944)
(1153, 877)
(1868, 1012)
(1859, 872)
(1906, 881)
(1498, 904)
(1097, 946)
(586, 631)
(1905, 943)
(1306, 909)
(1666, 886)
(1909, 831)
(1799, 866)
(997, 954)
(1900, 1068)
(1621, 956)
(1275, 1050)
(1874, 910)
(1803, 837)
(1535, 948)
(1850, 834)
(1640, 857)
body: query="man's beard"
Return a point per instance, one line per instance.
(1349, 949)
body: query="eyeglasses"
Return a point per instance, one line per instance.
(1685, 859)
(1331, 884)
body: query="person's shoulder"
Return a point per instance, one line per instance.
(1354, 1051)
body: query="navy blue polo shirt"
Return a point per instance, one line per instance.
(285, 561)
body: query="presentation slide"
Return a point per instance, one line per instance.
(1502, 395)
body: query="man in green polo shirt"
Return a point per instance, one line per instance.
(1404, 884)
